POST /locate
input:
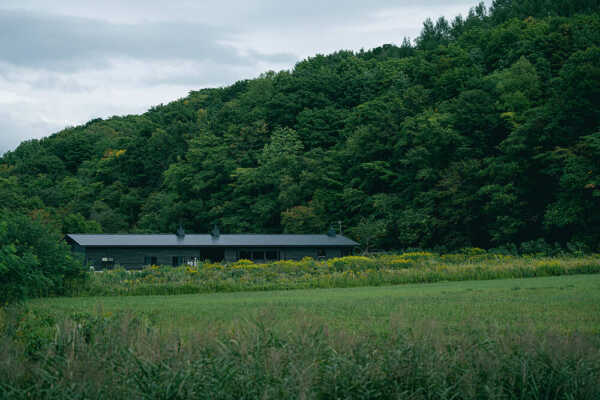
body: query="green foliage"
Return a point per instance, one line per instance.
(389, 344)
(34, 261)
(76, 223)
(301, 219)
(369, 231)
(484, 132)
(351, 271)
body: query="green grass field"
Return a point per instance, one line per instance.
(534, 338)
(564, 304)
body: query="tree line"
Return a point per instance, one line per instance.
(483, 131)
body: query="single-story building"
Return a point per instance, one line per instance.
(104, 251)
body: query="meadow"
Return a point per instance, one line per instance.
(345, 272)
(563, 304)
(493, 339)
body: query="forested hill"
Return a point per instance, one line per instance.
(484, 131)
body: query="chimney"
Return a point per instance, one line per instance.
(180, 232)
(331, 232)
(215, 232)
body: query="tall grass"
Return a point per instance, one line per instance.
(98, 355)
(418, 267)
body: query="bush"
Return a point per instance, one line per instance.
(34, 260)
(352, 271)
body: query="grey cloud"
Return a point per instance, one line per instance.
(230, 12)
(316, 14)
(13, 132)
(65, 43)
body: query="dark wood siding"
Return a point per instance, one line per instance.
(135, 257)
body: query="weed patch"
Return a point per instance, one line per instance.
(352, 271)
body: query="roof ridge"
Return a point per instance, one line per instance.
(207, 234)
(200, 240)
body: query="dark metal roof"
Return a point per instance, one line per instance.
(249, 240)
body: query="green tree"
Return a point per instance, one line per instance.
(301, 219)
(368, 232)
(34, 260)
(481, 131)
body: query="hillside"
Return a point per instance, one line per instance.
(483, 132)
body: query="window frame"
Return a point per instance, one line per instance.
(254, 258)
(245, 255)
(150, 260)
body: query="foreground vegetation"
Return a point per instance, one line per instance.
(34, 260)
(352, 271)
(504, 339)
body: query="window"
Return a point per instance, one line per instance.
(176, 261)
(245, 255)
(149, 260)
(258, 255)
(108, 262)
(192, 261)
(320, 253)
(271, 255)
(213, 254)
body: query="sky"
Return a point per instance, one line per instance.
(64, 62)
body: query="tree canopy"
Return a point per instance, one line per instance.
(34, 261)
(483, 131)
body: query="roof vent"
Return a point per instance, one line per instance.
(331, 232)
(180, 232)
(215, 232)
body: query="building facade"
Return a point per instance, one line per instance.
(105, 251)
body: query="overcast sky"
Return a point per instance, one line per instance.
(63, 62)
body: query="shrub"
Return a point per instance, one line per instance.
(34, 260)
(414, 267)
(351, 263)
(34, 331)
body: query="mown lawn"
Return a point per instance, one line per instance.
(562, 304)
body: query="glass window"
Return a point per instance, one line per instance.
(258, 255)
(192, 261)
(271, 255)
(176, 261)
(108, 262)
(320, 252)
(245, 255)
(149, 260)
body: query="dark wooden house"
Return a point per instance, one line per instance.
(104, 251)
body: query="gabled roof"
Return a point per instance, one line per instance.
(205, 240)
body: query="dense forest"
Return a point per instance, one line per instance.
(483, 131)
